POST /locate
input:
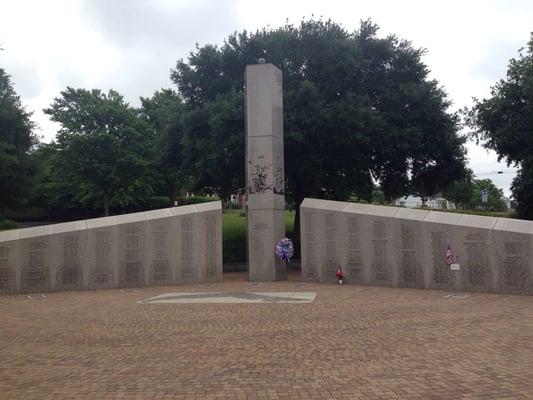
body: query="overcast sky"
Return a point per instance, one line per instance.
(131, 45)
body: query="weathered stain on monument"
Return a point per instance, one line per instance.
(279, 177)
(442, 275)
(259, 177)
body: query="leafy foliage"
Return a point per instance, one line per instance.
(16, 140)
(163, 112)
(504, 123)
(461, 190)
(355, 107)
(495, 196)
(102, 152)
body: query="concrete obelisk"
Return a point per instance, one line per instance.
(265, 180)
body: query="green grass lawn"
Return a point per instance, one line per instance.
(234, 234)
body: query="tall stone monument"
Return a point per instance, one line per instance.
(265, 181)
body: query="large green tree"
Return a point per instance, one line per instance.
(356, 107)
(16, 140)
(461, 191)
(495, 200)
(504, 123)
(103, 151)
(163, 113)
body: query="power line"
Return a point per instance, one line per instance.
(496, 172)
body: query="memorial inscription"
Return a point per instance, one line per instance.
(6, 273)
(211, 256)
(133, 268)
(409, 269)
(477, 258)
(186, 270)
(69, 274)
(515, 273)
(311, 272)
(442, 275)
(331, 248)
(102, 274)
(36, 275)
(355, 262)
(380, 264)
(160, 268)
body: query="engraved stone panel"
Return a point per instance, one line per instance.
(119, 251)
(355, 261)
(442, 275)
(132, 265)
(35, 275)
(477, 259)
(159, 265)
(331, 261)
(410, 274)
(211, 255)
(310, 269)
(380, 265)
(7, 268)
(331, 247)
(187, 250)
(514, 274)
(102, 270)
(69, 268)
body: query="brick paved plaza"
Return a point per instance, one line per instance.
(352, 342)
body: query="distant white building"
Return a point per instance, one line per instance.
(509, 204)
(437, 202)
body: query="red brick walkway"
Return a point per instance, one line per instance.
(350, 343)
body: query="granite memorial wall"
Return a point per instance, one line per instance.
(403, 247)
(159, 247)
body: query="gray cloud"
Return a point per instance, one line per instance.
(151, 36)
(495, 60)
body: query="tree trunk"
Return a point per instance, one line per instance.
(424, 200)
(107, 200)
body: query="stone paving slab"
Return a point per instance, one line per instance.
(351, 342)
(231, 298)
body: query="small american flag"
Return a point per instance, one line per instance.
(448, 257)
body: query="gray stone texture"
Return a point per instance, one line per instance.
(159, 247)
(9, 261)
(265, 179)
(401, 247)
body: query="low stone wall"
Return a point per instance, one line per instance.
(167, 246)
(402, 247)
